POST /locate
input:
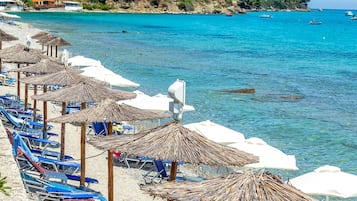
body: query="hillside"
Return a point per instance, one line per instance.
(194, 6)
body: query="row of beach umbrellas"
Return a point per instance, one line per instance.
(171, 141)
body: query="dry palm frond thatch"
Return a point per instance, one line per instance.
(65, 77)
(44, 66)
(109, 111)
(176, 143)
(250, 185)
(85, 91)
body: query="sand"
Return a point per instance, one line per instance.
(126, 180)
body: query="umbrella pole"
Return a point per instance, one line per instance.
(18, 81)
(63, 130)
(34, 103)
(83, 150)
(56, 51)
(26, 92)
(44, 114)
(173, 171)
(48, 47)
(51, 50)
(110, 168)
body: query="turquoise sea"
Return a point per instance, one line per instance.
(305, 76)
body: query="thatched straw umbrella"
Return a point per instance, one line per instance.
(58, 42)
(109, 111)
(5, 37)
(44, 66)
(44, 39)
(39, 35)
(250, 185)
(176, 143)
(20, 54)
(84, 92)
(65, 77)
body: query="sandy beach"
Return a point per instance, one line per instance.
(126, 180)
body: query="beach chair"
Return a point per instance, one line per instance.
(158, 174)
(50, 163)
(37, 150)
(28, 165)
(50, 190)
(21, 124)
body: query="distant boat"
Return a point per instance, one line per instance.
(266, 16)
(349, 13)
(72, 6)
(353, 17)
(313, 22)
(229, 14)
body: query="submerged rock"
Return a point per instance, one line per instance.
(242, 91)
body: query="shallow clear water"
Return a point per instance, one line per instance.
(305, 76)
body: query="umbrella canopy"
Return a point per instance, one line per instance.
(40, 34)
(269, 156)
(157, 103)
(9, 15)
(81, 61)
(103, 74)
(109, 111)
(85, 91)
(216, 132)
(328, 181)
(58, 41)
(65, 77)
(44, 66)
(236, 186)
(21, 54)
(6, 37)
(176, 143)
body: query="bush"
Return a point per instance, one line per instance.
(3, 187)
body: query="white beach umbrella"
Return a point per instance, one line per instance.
(327, 181)
(216, 132)
(269, 156)
(103, 74)
(157, 103)
(9, 15)
(81, 61)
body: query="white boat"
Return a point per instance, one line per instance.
(349, 13)
(73, 6)
(266, 16)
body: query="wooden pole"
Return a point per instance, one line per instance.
(83, 150)
(56, 50)
(51, 50)
(34, 103)
(44, 114)
(26, 92)
(63, 131)
(110, 169)
(18, 81)
(173, 171)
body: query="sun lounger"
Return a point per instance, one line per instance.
(56, 165)
(21, 124)
(27, 164)
(49, 190)
(158, 174)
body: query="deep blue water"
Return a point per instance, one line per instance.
(305, 76)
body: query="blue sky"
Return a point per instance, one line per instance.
(334, 4)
